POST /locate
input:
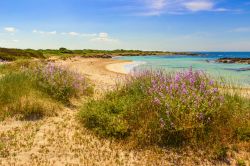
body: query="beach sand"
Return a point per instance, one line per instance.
(119, 67)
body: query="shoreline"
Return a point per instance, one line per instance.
(120, 66)
(104, 73)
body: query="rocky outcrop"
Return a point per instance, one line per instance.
(234, 60)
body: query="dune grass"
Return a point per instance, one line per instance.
(18, 97)
(32, 89)
(173, 110)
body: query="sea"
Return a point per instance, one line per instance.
(235, 74)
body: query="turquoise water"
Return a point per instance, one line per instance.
(233, 73)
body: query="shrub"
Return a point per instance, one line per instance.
(65, 51)
(60, 83)
(108, 116)
(169, 109)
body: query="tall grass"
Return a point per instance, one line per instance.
(30, 89)
(185, 108)
(18, 97)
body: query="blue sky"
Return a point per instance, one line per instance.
(175, 25)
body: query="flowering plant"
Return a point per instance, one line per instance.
(184, 100)
(60, 83)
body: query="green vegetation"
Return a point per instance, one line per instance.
(155, 108)
(60, 83)
(31, 90)
(19, 97)
(64, 53)
(15, 54)
(89, 52)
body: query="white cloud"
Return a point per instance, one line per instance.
(153, 7)
(73, 33)
(15, 40)
(10, 29)
(157, 4)
(89, 35)
(104, 37)
(199, 5)
(52, 33)
(241, 29)
(223, 10)
(44, 32)
(150, 13)
(158, 7)
(79, 34)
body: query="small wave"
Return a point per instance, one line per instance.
(239, 69)
(132, 66)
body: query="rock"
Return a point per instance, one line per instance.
(234, 60)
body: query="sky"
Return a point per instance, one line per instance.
(167, 25)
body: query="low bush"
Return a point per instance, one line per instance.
(170, 110)
(60, 83)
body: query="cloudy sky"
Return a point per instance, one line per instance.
(175, 25)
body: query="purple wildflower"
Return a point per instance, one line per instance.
(162, 123)
(157, 101)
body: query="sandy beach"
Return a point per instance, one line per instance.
(119, 67)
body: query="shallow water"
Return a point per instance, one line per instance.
(233, 73)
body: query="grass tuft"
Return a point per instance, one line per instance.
(18, 97)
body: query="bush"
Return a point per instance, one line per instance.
(60, 83)
(159, 108)
(65, 51)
